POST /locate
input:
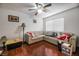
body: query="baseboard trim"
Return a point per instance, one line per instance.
(35, 42)
(49, 43)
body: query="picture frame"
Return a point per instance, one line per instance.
(12, 18)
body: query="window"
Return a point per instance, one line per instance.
(55, 25)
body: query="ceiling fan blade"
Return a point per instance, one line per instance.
(36, 4)
(31, 9)
(48, 5)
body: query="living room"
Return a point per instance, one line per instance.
(53, 18)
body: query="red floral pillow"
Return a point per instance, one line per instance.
(30, 33)
(67, 35)
(62, 37)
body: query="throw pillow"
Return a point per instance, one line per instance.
(61, 37)
(54, 34)
(30, 34)
(67, 35)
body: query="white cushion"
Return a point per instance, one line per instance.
(38, 37)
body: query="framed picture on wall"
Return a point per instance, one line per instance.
(12, 18)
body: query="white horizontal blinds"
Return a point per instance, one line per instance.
(55, 25)
(58, 24)
(49, 26)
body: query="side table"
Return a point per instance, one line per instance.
(67, 49)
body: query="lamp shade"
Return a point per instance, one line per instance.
(23, 25)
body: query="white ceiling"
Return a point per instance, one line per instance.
(59, 7)
(23, 7)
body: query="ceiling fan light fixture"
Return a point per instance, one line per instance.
(40, 11)
(40, 8)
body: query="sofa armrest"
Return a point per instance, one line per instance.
(73, 38)
(29, 38)
(73, 42)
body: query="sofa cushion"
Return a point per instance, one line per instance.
(41, 36)
(49, 35)
(54, 34)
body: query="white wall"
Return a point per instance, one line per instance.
(36, 26)
(71, 20)
(9, 28)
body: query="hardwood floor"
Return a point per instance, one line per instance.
(42, 48)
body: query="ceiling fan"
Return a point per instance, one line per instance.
(40, 7)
